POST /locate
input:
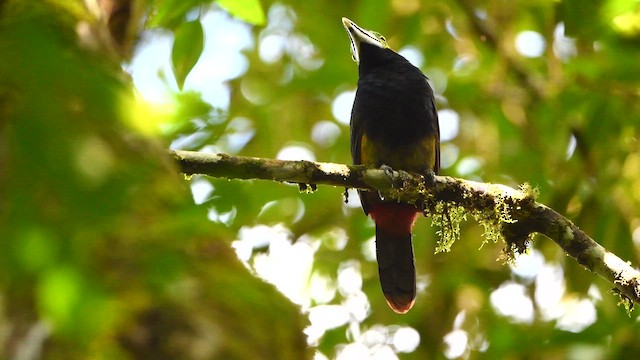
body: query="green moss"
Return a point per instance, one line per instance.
(447, 218)
(307, 188)
(492, 231)
(508, 254)
(494, 220)
(624, 301)
(529, 191)
(502, 210)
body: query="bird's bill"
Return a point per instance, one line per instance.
(358, 35)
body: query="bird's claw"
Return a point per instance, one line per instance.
(394, 176)
(429, 177)
(387, 170)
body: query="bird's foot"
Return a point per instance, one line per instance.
(387, 170)
(429, 177)
(396, 177)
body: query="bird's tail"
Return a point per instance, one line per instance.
(395, 256)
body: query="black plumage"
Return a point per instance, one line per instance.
(394, 123)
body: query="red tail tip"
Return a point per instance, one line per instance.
(400, 304)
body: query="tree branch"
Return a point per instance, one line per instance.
(510, 214)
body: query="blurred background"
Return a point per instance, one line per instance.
(110, 253)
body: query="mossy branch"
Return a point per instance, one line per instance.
(506, 213)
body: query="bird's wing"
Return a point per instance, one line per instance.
(357, 133)
(356, 136)
(436, 167)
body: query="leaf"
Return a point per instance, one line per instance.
(187, 48)
(170, 13)
(246, 10)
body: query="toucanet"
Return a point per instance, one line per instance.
(394, 123)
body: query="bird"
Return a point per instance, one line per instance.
(394, 124)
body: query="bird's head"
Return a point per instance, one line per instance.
(359, 36)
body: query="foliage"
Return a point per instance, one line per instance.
(105, 254)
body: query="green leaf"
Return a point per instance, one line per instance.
(187, 47)
(170, 13)
(246, 10)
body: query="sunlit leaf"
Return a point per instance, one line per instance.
(58, 293)
(247, 10)
(187, 47)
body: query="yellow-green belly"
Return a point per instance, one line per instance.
(417, 156)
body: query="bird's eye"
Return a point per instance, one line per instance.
(383, 38)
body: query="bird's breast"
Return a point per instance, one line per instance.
(411, 156)
(395, 110)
